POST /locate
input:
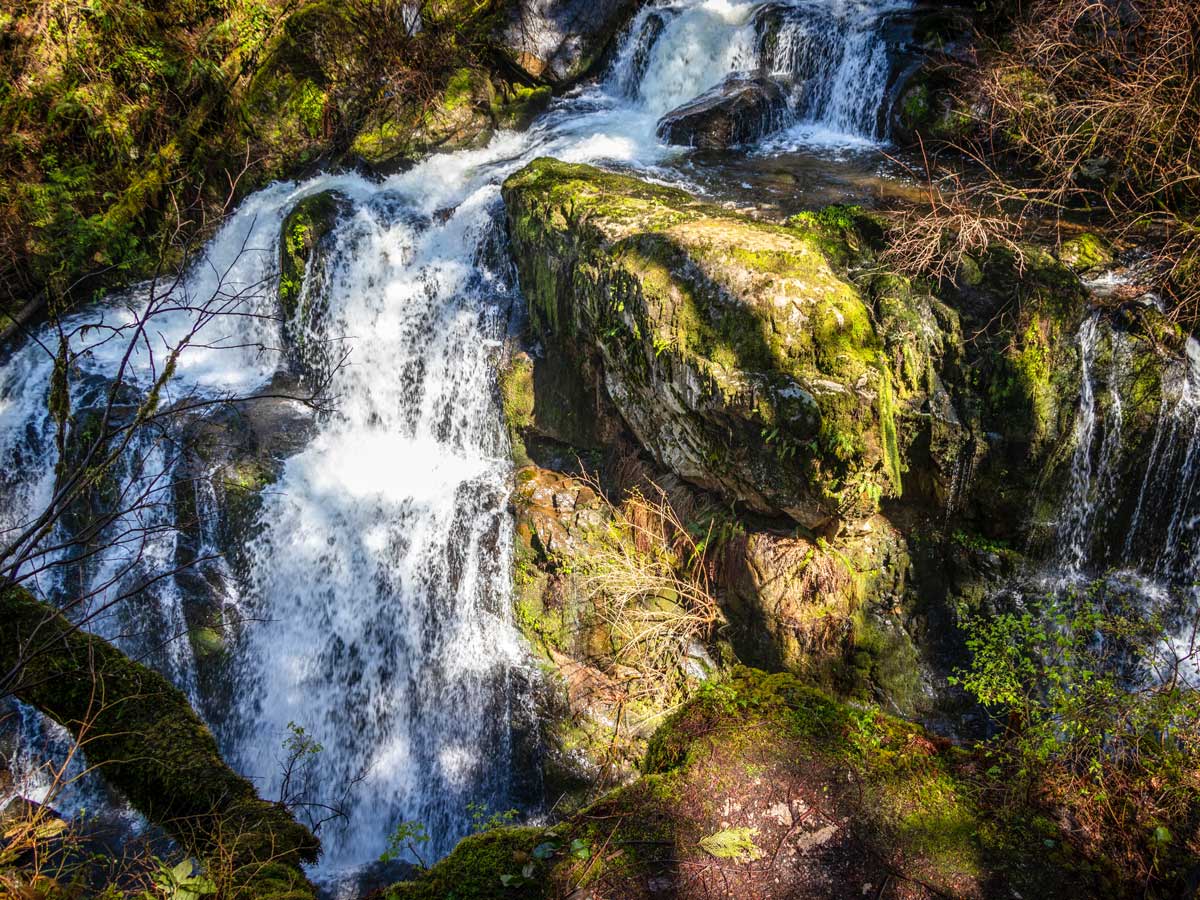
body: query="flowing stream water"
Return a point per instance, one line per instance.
(1149, 554)
(374, 599)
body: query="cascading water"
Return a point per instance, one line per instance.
(1093, 469)
(374, 599)
(1153, 562)
(830, 55)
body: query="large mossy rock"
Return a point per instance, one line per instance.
(142, 736)
(736, 351)
(764, 787)
(306, 240)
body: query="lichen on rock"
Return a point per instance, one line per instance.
(736, 351)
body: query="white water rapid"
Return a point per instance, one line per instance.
(374, 600)
(1130, 528)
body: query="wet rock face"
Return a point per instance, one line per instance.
(740, 110)
(733, 350)
(306, 240)
(559, 41)
(229, 457)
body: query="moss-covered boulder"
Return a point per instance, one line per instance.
(764, 787)
(143, 738)
(1085, 252)
(736, 351)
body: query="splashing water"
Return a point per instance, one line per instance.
(831, 55)
(375, 598)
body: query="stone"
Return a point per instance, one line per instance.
(560, 41)
(740, 110)
(735, 351)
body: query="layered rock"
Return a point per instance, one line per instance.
(736, 351)
(560, 41)
(740, 110)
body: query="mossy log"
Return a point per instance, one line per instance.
(144, 738)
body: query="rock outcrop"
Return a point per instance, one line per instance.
(560, 41)
(740, 110)
(736, 351)
(913, 431)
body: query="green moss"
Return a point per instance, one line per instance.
(718, 764)
(883, 662)
(520, 105)
(887, 419)
(309, 221)
(206, 641)
(460, 89)
(1085, 251)
(670, 289)
(517, 402)
(474, 870)
(146, 741)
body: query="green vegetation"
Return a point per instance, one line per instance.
(1123, 759)
(761, 768)
(127, 125)
(651, 273)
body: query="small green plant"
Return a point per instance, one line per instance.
(483, 819)
(183, 881)
(407, 837)
(1086, 723)
(732, 843)
(301, 749)
(579, 849)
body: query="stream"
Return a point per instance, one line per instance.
(374, 601)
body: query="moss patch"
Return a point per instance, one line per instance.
(145, 740)
(830, 797)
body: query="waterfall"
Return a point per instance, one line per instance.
(372, 603)
(382, 574)
(1093, 470)
(1153, 562)
(831, 55)
(1170, 490)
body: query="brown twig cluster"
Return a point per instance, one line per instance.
(650, 582)
(1095, 104)
(1103, 99)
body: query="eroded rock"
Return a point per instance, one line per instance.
(740, 110)
(735, 351)
(560, 41)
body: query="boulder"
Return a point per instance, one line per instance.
(229, 456)
(739, 110)
(735, 351)
(560, 41)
